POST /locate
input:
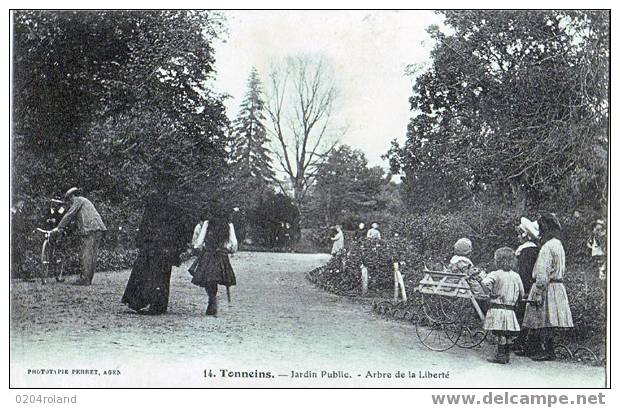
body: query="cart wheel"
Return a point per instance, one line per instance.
(436, 335)
(586, 355)
(471, 337)
(452, 308)
(430, 308)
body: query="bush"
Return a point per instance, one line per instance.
(428, 239)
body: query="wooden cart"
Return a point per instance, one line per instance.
(451, 312)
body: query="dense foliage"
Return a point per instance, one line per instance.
(345, 186)
(106, 100)
(514, 103)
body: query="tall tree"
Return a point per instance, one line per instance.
(300, 108)
(104, 97)
(515, 101)
(345, 186)
(250, 151)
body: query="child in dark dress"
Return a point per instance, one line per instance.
(212, 267)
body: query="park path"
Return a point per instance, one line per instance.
(277, 322)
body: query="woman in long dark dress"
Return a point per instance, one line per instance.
(161, 240)
(212, 267)
(526, 254)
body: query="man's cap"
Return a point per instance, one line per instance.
(72, 190)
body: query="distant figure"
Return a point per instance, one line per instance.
(361, 231)
(338, 240)
(373, 232)
(597, 244)
(90, 227)
(286, 239)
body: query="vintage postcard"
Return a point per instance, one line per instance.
(309, 199)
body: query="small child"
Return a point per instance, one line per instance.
(338, 240)
(460, 263)
(505, 289)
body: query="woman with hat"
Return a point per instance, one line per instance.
(526, 255)
(548, 307)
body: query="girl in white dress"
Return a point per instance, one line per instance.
(338, 240)
(505, 289)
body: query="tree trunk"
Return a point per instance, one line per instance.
(519, 197)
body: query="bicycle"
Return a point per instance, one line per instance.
(50, 259)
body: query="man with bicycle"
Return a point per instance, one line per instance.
(90, 227)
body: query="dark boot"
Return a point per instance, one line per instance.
(531, 345)
(500, 355)
(507, 349)
(212, 306)
(520, 342)
(549, 352)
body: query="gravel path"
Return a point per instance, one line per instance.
(277, 323)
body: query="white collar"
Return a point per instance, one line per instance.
(528, 244)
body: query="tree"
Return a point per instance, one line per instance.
(251, 161)
(346, 186)
(300, 108)
(267, 216)
(515, 102)
(102, 98)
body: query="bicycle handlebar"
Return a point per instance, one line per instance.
(44, 231)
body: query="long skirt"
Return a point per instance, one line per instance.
(149, 282)
(212, 267)
(501, 320)
(554, 312)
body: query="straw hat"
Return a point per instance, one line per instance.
(530, 227)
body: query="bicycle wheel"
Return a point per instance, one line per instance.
(46, 259)
(60, 267)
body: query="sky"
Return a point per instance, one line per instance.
(368, 51)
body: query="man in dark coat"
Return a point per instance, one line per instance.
(162, 238)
